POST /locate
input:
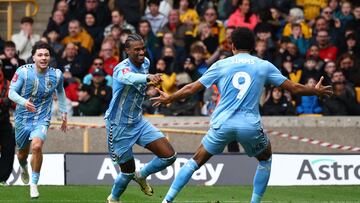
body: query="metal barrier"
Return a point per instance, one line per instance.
(9, 12)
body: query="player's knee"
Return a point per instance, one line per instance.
(36, 147)
(170, 160)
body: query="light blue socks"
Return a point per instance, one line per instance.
(155, 165)
(35, 178)
(120, 184)
(181, 179)
(261, 180)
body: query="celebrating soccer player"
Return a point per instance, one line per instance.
(32, 88)
(240, 80)
(125, 125)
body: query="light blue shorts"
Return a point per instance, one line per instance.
(254, 141)
(122, 138)
(24, 134)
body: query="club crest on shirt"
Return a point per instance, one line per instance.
(15, 77)
(49, 84)
(125, 70)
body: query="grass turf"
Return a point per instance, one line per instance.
(196, 194)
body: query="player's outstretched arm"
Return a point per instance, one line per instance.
(296, 88)
(184, 92)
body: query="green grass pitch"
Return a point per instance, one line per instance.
(195, 194)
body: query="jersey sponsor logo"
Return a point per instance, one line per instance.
(15, 77)
(125, 71)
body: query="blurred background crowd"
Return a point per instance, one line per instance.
(304, 39)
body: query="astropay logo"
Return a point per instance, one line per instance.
(208, 173)
(325, 169)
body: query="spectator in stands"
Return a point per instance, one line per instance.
(309, 104)
(132, 10)
(327, 51)
(327, 14)
(179, 30)
(25, 39)
(95, 31)
(329, 69)
(296, 15)
(164, 7)
(263, 32)
(226, 44)
(312, 8)
(147, 106)
(53, 36)
(63, 6)
(298, 39)
(117, 18)
(210, 105)
(341, 103)
(205, 35)
(74, 61)
(155, 18)
(78, 34)
(100, 89)
(216, 26)
(188, 15)
(355, 23)
(98, 63)
(261, 50)
(102, 11)
(168, 83)
(350, 46)
(88, 104)
(313, 68)
(243, 16)
(10, 61)
(108, 55)
(338, 76)
(57, 22)
(168, 40)
(151, 41)
(344, 16)
(277, 104)
(347, 64)
(198, 52)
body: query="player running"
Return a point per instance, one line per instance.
(32, 88)
(126, 126)
(240, 80)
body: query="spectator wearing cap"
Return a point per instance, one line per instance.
(100, 89)
(10, 60)
(118, 18)
(78, 34)
(296, 15)
(98, 63)
(155, 18)
(243, 16)
(25, 39)
(88, 104)
(57, 22)
(350, 46)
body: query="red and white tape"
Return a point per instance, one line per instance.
(313, 141)
(173, 124)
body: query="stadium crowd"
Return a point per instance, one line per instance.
(304, 39)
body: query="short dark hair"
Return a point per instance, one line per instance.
(243, 39)
(156, 2)
(132, 38)
(27, 19)
(10, 44)
(41, 45)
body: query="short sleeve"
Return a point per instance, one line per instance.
(274, 76)
(210, 76)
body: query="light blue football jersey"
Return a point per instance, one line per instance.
(240, 80)
(39, 87)
(129, 90)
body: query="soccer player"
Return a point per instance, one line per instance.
(126, 126)
(240, 80)
(31, 89)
